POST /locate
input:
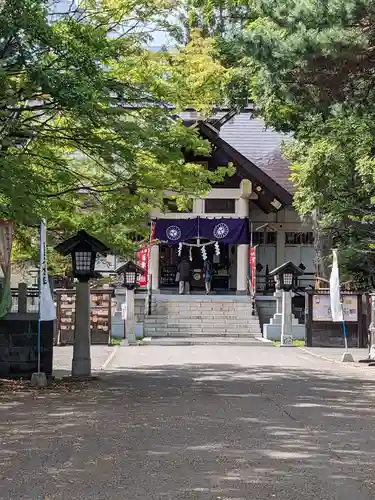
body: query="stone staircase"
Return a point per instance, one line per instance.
(199, 319)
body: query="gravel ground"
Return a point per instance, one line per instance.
(196, 423)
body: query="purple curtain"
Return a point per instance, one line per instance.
(175, 230)
(230, 231)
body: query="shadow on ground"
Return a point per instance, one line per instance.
(192, 432)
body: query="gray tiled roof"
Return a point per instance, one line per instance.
(257, 143)
(260, 145)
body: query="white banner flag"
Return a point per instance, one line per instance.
(47, 309)
(334, 290)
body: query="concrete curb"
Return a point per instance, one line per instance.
(262, 339)
(348, 365)
(110, 358)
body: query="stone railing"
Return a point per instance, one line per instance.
(24, 299)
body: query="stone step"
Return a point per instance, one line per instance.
(169, 332)
(199, 311)
(200, 298)
(196, 328)
(202, 328)
(205, 320)
(205, 303)
(202, 302)
(198, 315)
(202, 324)
(227, 341)
(188, 307)
(179, 334)
(217, 323)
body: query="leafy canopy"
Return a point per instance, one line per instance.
(309, 67)
(88, 132)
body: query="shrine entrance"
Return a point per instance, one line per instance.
(221, 255)
(224, 241)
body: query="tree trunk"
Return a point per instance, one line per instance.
(322, 247)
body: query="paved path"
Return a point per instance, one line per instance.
(335, 353)
(196, 423)
(63, 355)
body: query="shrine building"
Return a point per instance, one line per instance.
(254, 206)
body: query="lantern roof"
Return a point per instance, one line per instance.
(130, 266)
(70, 245)
(287, 267)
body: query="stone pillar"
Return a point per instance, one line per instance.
(287, 318)
(242, 268)
(130, 317)
(273, 329)
(242, 252)
(280, 248)
(154, 267)
(22, 298)
(279, 302)
(81, 365)
(198, 205)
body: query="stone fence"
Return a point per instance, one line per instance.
(19, 337)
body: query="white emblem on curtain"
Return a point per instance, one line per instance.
(173, 233)
(221, 230)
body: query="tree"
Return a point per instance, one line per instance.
(88, 134)
(311, 71)
(214, 18)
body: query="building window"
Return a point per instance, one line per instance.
(264, 238)
(299, 238)
(218, 206)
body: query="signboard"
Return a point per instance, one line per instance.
(100, 316)
(252, 268)
(322, 308)
(142, 257)
(124, 311)
(66, 316)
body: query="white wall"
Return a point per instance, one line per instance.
(285, 220)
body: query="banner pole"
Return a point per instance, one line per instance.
(40, 291)
(39, 341)
(149, 275)
(39, 378)
(344, 329)
(337, 304)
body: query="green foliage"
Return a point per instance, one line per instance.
(309, 67)
(212, 17)
(87, 129)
